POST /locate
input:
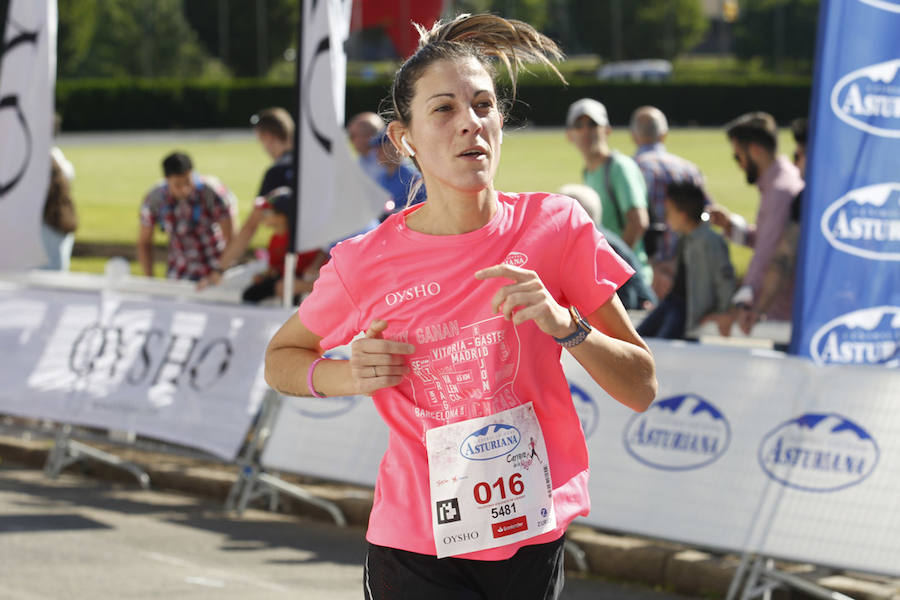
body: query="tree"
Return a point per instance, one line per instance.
(247, 36)
(777, 30)
(77, 26)
(624, 29)
(533, 12)
(115, 38)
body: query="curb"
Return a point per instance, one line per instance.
(653, 563)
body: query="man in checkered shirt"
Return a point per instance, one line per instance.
(649, 128)
(196, 213)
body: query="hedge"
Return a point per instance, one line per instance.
(177, 104)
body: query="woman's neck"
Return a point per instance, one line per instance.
(453, 212)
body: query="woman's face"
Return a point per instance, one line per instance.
(455, 125)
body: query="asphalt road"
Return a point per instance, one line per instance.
(79, 538)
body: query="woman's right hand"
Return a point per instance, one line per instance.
(377, 363)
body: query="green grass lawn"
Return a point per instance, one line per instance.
(112, 178)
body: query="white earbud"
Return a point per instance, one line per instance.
(406, 145)
(501, 136)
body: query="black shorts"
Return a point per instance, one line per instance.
(532, 573)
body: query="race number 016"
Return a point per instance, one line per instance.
(483, 491)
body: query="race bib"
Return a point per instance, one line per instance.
(490, 482)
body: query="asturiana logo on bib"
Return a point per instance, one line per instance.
(818, 452)
(869, 99)
(489, 442)
(889, 5)
(678, 433)
(865, 222)
(870, 336)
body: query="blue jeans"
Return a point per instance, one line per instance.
(667, 320)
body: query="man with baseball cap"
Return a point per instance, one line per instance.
(614, 176)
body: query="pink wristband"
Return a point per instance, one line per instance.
(309, 381)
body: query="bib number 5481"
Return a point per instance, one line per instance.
(484, 493)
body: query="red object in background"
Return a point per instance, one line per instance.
(278, 244)
(396, 18)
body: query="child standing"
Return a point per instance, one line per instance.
(704, 277)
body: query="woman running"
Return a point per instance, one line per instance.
(465, 302)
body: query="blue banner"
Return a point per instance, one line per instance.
(847, 308)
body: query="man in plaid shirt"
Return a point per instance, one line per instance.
(195, 211)
(649, 128)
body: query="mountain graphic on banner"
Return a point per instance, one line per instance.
(701, 406)
(836, 422)
(867, 336)
(869, 99)
(866, 222)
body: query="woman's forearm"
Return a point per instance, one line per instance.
(624, 370)
(287, 370)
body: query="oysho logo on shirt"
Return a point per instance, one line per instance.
(870, 336)
(678, 433)
(869, 99)
(889, 5)
(818, 452)
(866, 222)
(416, 292)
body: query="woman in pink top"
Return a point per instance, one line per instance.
(460, 307)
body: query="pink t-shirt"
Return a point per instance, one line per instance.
(424, 286)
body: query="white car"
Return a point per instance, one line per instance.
(636, 70)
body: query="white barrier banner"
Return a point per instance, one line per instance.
(334, 438)
(189, 374)
(742, 450)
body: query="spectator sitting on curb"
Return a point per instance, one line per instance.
(278, 212)
(195, 211)
(704, 278)
(635, 294)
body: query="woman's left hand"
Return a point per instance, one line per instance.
(526, 299)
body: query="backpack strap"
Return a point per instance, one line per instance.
(607, 169)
